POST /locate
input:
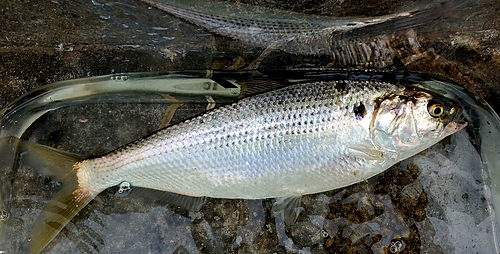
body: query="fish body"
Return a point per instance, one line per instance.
(288, 31)
(298, 140)
(349, 41)
(289, 142)
(260, 26)
(302, 139)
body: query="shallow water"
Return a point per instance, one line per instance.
(439, 201)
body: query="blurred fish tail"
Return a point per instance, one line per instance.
(62, 167)
(427, 13)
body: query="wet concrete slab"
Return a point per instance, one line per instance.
(44, 42)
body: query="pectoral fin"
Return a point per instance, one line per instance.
(366, 153)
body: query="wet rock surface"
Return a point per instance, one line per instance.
(400, 211)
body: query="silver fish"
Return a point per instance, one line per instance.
(301, 139)
(350, 41)
(260, 26)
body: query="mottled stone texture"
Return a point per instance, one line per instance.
(46, 41)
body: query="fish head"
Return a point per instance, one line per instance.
(407, 123)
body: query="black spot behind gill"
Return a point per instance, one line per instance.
(359, 111)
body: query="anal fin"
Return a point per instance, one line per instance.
(290, 206)
(192, 204)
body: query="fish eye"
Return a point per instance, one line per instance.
(435, 109)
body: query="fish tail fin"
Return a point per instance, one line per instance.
(56, 215)
(429, 12)
(421, 14)
(62, 167)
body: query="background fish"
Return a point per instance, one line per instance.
(302, 139)
(350, 41)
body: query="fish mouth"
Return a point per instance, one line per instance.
(458, 121)
(460, 125)
(453, 127)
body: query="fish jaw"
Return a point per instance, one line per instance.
(452, 128)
